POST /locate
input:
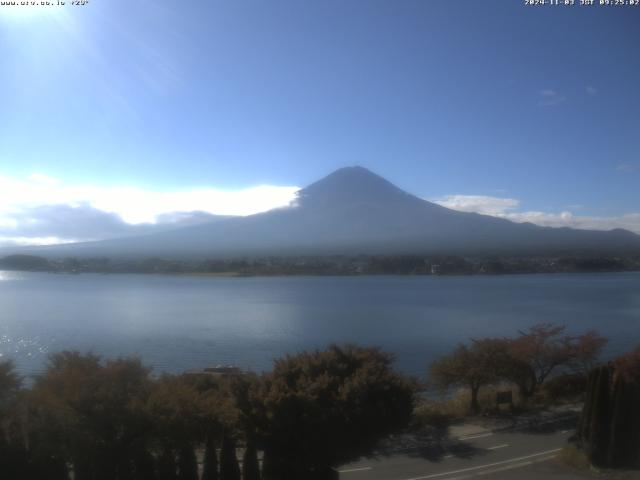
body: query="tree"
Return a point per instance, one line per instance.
(167, 467)
(24, 262)
(174, 408)
(595, 425)
(609, 429)
(246, 404)
(538, 352)
(13, 454)
(250, 465)
(10, 385)
(90, 413)
(175, 411)
(187, 463)
(229, 468)
(472, 366)
(210, 467)
(144, 464)
(629, 365)
(585, 350)
(10, 382)
(328, 407)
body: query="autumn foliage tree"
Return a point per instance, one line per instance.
(536, 353)
(471, 366)
(111, 420)
(93, 412)
(12, 454)
(527, 360)
(95, 419)
(327, 407)
(585, 351)
(10, 384)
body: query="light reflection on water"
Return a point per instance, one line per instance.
(180, 322)
(4, 275)
(21, 347)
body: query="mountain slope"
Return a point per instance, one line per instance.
(355, 211)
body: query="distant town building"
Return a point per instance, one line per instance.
(218, 371)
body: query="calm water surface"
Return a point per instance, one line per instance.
(180, 322)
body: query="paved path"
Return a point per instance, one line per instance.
(526, 452)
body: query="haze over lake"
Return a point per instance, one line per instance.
(180, 322)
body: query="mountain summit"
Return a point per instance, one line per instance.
(353, 211)
(350, 184)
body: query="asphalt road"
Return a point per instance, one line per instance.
(524, 454)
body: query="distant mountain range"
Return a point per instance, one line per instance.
(354, 211)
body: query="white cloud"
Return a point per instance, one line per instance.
(630, 221)
(505, 208)
(31, 241)
(43, 210)
(549, 98)
(47, 210)
(42, 179)
(136, 205)
(591, 90)
(628, 167)
(478, 203)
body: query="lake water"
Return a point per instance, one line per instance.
(180, 322)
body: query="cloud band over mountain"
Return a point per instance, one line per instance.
(508, 208)
(44, 210)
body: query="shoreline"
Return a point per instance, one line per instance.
(334, 265)
(307, 274)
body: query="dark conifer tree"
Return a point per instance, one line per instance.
(187, 463)
(144, 465)
(599, 422)
(619, 420)
(269, 467)
(13, 460)
(229, 468)
(167, 468)
(624, 444)
(250, 466)
(609, 430)
(82, 470)
(210, 467)
(49, 467)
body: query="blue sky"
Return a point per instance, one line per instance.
(520, 111)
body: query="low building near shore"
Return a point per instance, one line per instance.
(219, 371)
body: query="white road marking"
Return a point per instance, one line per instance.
(479, 467)
(350, 470)
(564, 431)
(545, 459)
(498, 446)
(447, 456)
(471, 437)
(504, 469)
